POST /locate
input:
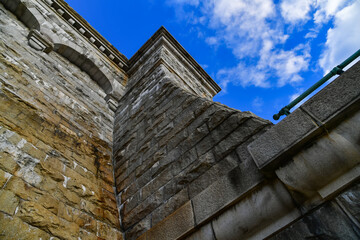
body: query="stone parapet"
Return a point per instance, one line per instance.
(315, 153)
(315, 117)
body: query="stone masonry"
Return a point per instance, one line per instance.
(56, 175)
(97, 146)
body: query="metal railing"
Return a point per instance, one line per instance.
(338, 70)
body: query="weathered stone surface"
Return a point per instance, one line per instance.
(259, 214)
(280, 138)
(350, 201)
(182, 166)
(332, 99)
(4, 178)
(104, 231)
(140, 228)
(223, 192)
(327, 222)
(204, 233)
(212, 175)
(8, 202)
(170, 206)
(13, 228)
(35, 215)
(328, 165)
(174, 226)
(55, 136)
(170, 157)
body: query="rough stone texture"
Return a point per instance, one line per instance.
(336, 96)
(180, 166)
(285, 135)
(56, 174)
(171, 145)
(327, 222)
(259, 214)
(177, 224)
(328, 164)
(205, 232)
(315, 117)
(223, 192)
(350, 202)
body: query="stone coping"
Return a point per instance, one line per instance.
(163, 33)
(319, 114)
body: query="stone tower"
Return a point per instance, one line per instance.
(97, 146)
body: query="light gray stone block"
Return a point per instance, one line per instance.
(174, 226)
(223, 192)
(258, 215)
(281, 138)
(334, 97)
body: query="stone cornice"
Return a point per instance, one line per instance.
(61, 8)
(163, 33)
(86, 30)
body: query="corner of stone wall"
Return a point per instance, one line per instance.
(172, 150)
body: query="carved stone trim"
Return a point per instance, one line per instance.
(38, 42)
(112, 103)
(84, 29)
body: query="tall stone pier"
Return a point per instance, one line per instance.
(97, 146)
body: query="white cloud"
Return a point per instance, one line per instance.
(294, 11)
(212, 41)
(182, 2)
(245, 27)
(258, 104)
(313, 33)
(296, 94)
(326, 9)
(255, 33)
(288, 64)
(242, 75)
(343, 39)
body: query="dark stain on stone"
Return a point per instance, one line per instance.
(97, 160)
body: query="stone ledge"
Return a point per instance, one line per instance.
(312, 119)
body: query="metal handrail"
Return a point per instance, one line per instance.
(338, 70)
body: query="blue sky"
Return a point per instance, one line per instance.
(263, 53)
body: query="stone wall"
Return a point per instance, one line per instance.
(189, 168)
(56, 175)
(96, 146)
(170, 146)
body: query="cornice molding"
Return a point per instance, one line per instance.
(86, 30)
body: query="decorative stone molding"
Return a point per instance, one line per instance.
(38, 42)
(112, 102)
(89, 33)
(21, 8)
